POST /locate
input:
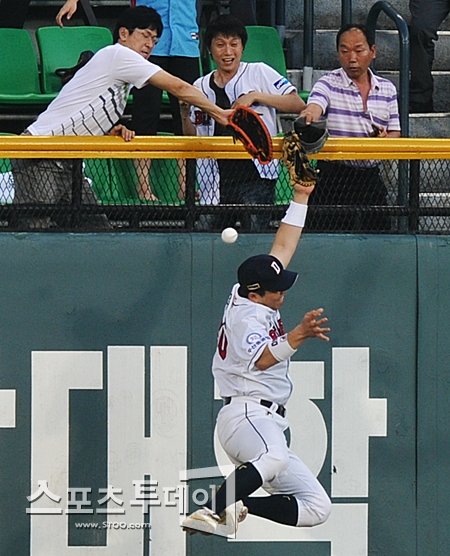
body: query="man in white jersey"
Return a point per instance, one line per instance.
(251, 367)
(236, 83)
(93, 101)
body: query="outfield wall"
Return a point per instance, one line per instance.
(105, 380)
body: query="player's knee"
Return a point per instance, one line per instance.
(313, 510)
(272, 464)
(323, 510)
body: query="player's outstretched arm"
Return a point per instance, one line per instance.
(312, 326)
(288, 235)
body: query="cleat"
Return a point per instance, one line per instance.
(234, 511)
(203, 521)
(206, 522)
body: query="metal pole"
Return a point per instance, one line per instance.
(346, 13)
(280, 19)
(308, 43)
(403, 93)
(402, 27)
(89, 17)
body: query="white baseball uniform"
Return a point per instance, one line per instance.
(255, 76)
(249, 431)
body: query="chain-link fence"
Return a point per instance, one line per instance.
(172, 192)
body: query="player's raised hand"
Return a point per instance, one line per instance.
(310, 327)
(313, 324)
(301, 188)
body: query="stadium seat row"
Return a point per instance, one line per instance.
(22, 83)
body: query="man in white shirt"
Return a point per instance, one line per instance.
(94, 100)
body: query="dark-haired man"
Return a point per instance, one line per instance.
(251, 368)
(177, 52)
(94, 100)
(356, 103)
(236, 83)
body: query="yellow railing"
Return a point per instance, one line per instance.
(212, 147)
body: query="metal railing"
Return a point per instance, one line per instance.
(105, 155)
(403, 32)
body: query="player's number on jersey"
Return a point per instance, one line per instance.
(222, 343)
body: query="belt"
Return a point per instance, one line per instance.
(281, 410)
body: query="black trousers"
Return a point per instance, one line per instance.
(245, 10)
(340, 184)
(426, 18)
(147, 101)
(13, 13)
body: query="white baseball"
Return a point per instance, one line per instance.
(229, 235)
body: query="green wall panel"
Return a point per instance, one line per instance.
(433, 395)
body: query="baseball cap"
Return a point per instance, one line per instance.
(266, 272)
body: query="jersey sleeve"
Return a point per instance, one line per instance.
(250, 337)
(130, 67)
(273, 82)
(320, 94)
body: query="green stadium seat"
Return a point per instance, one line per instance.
(61, 48)
(19, 85)
(98, 172)
(163, 180)
(264, 45)
(114, 180)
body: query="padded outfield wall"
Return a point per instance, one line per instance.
(106, 395)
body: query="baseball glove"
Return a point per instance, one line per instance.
(247, 126)
(296, 161)
(312, 136)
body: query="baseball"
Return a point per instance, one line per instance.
(229, 235)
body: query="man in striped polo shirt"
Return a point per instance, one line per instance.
(356, 103)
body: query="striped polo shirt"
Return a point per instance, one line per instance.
(342, 105)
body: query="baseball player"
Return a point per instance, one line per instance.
(251, 367)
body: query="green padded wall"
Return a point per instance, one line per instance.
(369, 412)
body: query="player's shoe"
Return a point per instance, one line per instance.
(235, 513)
(207, 522)
(203, 521)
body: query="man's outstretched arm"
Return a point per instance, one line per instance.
(189, 94)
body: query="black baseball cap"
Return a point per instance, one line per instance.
(266, 272)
